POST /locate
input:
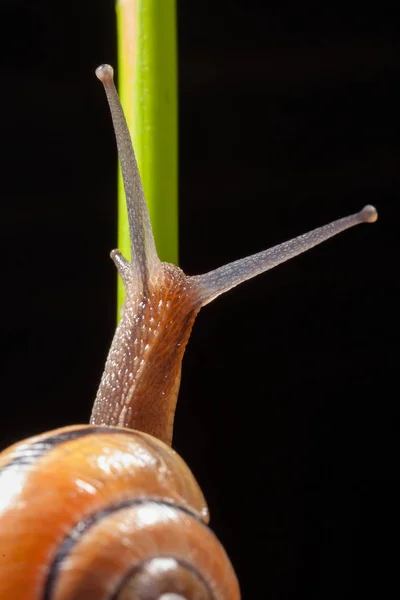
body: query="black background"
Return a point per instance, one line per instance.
(288, 411)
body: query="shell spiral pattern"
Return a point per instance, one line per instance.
(101, 513)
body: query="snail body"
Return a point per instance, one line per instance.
(108, 511)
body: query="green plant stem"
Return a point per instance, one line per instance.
(147, 82)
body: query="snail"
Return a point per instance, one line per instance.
(109, 511)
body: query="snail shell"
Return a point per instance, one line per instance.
(96, 513)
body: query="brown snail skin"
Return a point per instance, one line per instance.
(108, 511)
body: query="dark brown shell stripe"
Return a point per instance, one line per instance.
(27, 454)
(74, 536)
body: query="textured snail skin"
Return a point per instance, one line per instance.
(140, 382)
(83, 508)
